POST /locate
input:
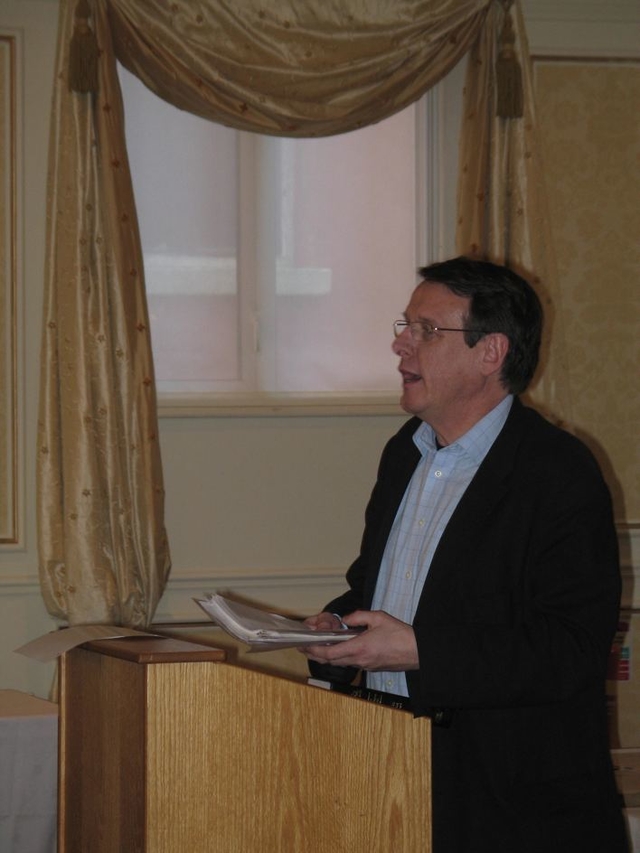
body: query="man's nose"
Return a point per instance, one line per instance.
(404, 343)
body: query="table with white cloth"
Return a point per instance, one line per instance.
(28, 773)
(627, 766)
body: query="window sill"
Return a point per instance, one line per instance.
(276, 405)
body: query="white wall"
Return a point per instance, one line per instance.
(270, 506)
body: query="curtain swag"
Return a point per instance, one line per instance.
(83, 56)
(289, 68)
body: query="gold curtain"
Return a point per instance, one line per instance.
(287, 68)
(502, 206)
(104, 556)
(293, 67)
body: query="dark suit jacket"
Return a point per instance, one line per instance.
(514, 627)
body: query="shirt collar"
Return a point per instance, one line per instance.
(476, 441)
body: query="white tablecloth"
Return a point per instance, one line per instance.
(633, 822)
(28, 773)
(627, 767)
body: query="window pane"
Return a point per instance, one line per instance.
(318, 259)
(184, 173)
(347, 260)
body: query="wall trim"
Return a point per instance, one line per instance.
(604, 28)
(194, 581)
(249, 576)
(263, 404)
(19, 585)
(11, 446)
(289, 591)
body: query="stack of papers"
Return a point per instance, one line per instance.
(265, 631)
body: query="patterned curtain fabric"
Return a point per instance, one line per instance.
(293, 67)
(104, 557)
(287, 67)
(502, 207)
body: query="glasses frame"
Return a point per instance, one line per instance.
(422, 331)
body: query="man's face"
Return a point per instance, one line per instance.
(443, 380)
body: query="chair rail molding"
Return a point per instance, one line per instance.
(294, 591)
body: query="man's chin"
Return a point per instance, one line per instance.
(409, 404)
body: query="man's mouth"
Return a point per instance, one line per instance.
(409, 378)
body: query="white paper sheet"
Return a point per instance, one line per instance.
(262, 630)
(56, 643)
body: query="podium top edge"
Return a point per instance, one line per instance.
(145, 650)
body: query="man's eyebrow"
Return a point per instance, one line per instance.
(426, 320)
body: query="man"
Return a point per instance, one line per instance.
(488, 580)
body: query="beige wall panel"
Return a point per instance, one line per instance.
(590, 130)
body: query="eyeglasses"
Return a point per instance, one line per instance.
(421, 331)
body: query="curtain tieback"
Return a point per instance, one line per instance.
(509, 101)
(83, 53)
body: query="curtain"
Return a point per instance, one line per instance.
(104, 557)
(287, 68)
(502, 207)
(293, 67)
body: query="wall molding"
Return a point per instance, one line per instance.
(596, 28)
(296, 588)
(291, 591)
(11, 400)
(292, 588)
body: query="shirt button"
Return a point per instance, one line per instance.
(389, 683)
(407, 575)
(421, 522)
(438, 473)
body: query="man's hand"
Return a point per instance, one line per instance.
(323, 622)
(387, 645)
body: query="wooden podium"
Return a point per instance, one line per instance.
(165, 748)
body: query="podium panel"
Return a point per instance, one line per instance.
(166, 748)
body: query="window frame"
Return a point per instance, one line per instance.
(438, 115)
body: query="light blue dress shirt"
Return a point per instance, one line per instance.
(439, 481)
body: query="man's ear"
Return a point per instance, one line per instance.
(495, 349)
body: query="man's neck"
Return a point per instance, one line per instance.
(451, 429)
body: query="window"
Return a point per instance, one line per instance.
(274, 265)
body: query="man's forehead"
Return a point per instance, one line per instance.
(431, 295)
